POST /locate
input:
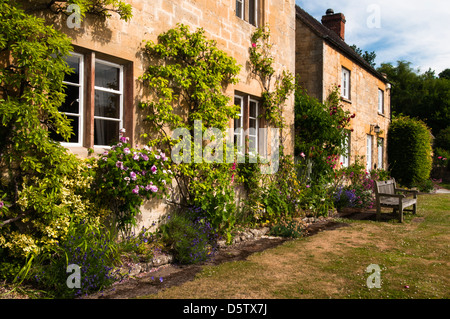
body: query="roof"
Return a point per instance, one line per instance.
(335, 40)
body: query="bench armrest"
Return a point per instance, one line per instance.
(410, 192)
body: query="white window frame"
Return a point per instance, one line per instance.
(380, 101)
(380, 147)
(119, 92)
(80, 102)
(345, 92)
(239, 132)
(255, 133)
(369, 152)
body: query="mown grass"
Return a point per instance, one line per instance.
(413, 258)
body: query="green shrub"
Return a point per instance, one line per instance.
(289, 229)
(409, 151)
(190, 237)
(88, 245)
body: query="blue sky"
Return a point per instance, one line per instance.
(417, 31)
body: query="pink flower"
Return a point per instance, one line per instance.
(232, 178)
(153, 188)
(144, 156)
(153, 169)
(133, 176)
(302, 154)
(136, 157)
(444, 159)
(308, 186)
(119, 164)
(254, 45)
(135, 190)
(163, 156)
(439, 157)
(234, 167)
(122, 130)
(124, 139)
(126, 150)
(1, 204)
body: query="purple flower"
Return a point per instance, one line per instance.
(153, 169)
(152, 188)
(136, 157)
(135, 190)
(2, 204)
(161, 279)
(126, 150)
(144, 156)
(124, 139)
(133, 176)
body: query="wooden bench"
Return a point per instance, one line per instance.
(387, 195)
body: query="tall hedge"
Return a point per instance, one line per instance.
(409, 150)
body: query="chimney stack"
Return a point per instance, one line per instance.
(335, 22)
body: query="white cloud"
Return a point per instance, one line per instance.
(416, 31)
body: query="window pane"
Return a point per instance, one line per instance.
(107, 76)
(105, 132)
(237, 123)
(252, 147)
(71, 103)
(253, 107)
(107, 104)
(239, 8)
(380, 101)
(74, 63)
(252, 12)
(75, 123)
(252, 123)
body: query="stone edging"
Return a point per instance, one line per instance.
(134, 269)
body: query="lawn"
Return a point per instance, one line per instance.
(413, 258)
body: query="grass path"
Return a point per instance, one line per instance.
(413, 258)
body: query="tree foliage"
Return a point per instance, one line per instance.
(422, 96)
(43, 188)
(321, 130)
(366, 55)
(100, 8)
(188, 74)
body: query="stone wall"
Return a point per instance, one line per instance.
(363, 102)
(319, 66)
(309, 60)
(122, 42)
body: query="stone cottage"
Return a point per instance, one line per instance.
(104, 92)
(324, 60)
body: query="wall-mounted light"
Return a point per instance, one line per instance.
(375, 128)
